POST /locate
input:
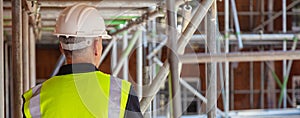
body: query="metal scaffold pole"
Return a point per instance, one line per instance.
(17, 57)
(240, 57)
(151, 90)
(236, 24)
(211, 93)
(173, 60)
(106, 50)
(59, 63)
(270, 12)
(6, 82)
(139, 65)
(32, 63)
(25, 50)
(262, 83)
(291, 5)
(2, 104)
(125, 67)
(284, 49)
(251, 84)
(125, 53)
(153, 67)
(114, 56)
(226, 63)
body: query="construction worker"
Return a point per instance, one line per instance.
(80, 89)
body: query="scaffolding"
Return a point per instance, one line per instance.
(140, 33)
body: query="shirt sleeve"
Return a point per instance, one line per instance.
(133, 106)
(23, 102)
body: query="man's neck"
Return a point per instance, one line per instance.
(76, 61)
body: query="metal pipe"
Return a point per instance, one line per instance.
(276, 78)
(232, 87)
(286, 77)
(157, 49)
(175, 94)
(186, 16)
(262, 84)
(145, 66)
(7, 86)
(270, 13)
(257, 13)
(59, 63)
(2, 104)
(150, 91)
(32, 55)
(106, 50)
(125, 67)
(25, 50)
(139, 21)
(284, 73)
(182, 42)
(206, 51)
(152, 48)
(193, 25)
(236, 24)
(212, 67)
(17, 57)
(149, 69)
(284, 49)
(250, 15)
(184, 98)
(226, 10)
(196, 93)
(257, 91)
(139, 65)
(240, 57)
(221, 81)
(126, 53)
(153, 67)
(193, 90)
(252, 37)
(11, 87)
(157, 61)
(262, 11)
(101, 4)
(295, 2)
(114, 56)
(284, 9)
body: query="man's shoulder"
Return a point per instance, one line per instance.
(34, 91)
(119, 80)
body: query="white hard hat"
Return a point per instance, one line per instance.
(80, 20)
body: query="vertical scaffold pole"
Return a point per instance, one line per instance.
(211, 93)
(17, 57)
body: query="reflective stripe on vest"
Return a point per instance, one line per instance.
(92, 94)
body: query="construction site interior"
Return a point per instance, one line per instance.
(185, 58)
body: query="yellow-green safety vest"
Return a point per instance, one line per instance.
(84, 95)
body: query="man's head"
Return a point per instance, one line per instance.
(80, 29)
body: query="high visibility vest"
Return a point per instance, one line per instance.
(91, 94)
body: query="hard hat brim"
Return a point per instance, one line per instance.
(106, 36)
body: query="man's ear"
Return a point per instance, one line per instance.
(60, 49)
(96, 48)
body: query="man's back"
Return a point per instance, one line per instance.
(79, 93)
